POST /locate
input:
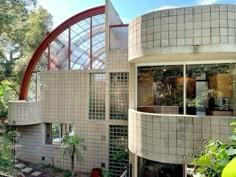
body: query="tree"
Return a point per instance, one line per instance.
(7, 94)
(23, 26)
(70, 146)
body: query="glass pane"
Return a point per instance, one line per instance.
(42, 63)
(119, 37)
(56, 134)
(160, 89)
(98, 42)
(87, 50)
(59, 52)
(209, 89)
(34, 88)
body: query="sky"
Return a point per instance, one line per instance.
(127, 9)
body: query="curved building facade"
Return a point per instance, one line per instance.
(154, 89)
(182, 70)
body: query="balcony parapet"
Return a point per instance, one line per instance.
(173, 138)
(24, 113)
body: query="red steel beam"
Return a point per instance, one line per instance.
(91, 43)
(49, 59)
(48, 39)
(119, 25)
(69, 36)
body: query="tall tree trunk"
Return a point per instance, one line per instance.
(72, 165)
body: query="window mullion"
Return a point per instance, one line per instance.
(184, 89)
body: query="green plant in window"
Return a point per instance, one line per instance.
(198, 101)
(120, 155)
(210, 70)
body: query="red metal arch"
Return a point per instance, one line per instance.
(50, 37)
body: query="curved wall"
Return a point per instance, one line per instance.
(173, 138)
(24, 113)
(208, 31)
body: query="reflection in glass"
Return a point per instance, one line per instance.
(160, 89)
(212, 89)
(206, 89)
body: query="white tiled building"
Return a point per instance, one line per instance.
(157, 87)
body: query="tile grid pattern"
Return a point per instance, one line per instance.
(97, 96)
(119, 96)
(200, 25)
(118, 141)
(172, 139)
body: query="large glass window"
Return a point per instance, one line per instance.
(160, 89)
(197, 89)
(210, 89)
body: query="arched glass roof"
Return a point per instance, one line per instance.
(76, 44)
(79, 47)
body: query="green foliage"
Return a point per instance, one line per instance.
(198, 101)
(70, 146)
(120, 154)
(215, 156)
(67, 173)
(22, 28)
(106, 174)
(7, 93)
(6, 150)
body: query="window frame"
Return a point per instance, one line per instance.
(184, 64)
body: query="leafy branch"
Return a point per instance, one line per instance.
(215, 155)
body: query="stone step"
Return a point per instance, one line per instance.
(36, 173)
(20, 166)
(27, 170)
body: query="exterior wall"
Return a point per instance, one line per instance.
(65, 96)
(177, 34)
(24, 113)
(65, 99)
(30, 140)
(173, 138)
(118, 60)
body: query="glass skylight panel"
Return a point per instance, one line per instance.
(80, 46)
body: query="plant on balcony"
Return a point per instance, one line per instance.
(198, 101)
(215, 156)
(70, 146)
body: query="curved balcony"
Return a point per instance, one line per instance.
(183, 34)
(173, 138)
(24, 113)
